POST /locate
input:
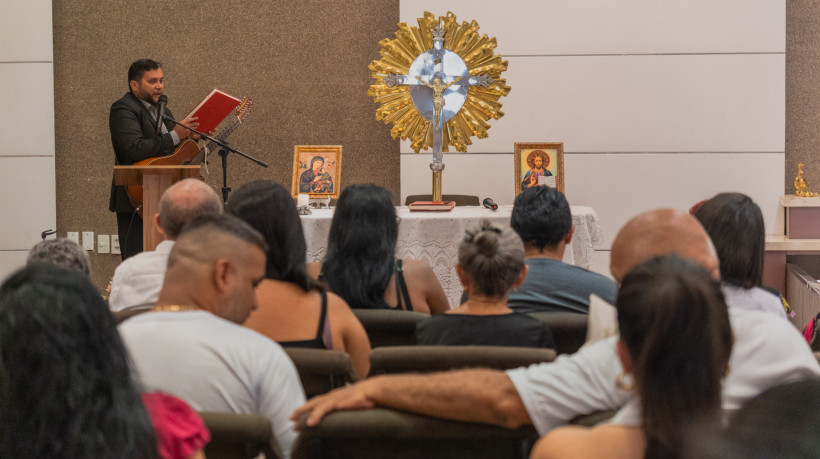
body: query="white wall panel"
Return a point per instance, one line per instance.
(480, 175)
(619, 186)
(538, 27)
(27, 117)
(27, 187)
(25, 31)
(643, 104)
(10, 261)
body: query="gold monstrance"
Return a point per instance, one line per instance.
(439, 84)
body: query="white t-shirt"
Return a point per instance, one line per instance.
(215, 365)
(766, 353)
(138, 280)
(752, 299)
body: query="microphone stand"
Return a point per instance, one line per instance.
(224, 149)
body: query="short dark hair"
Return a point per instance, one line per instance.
(269, 208)
(541, 216)
(226, 224)
(735, 224)
(61, 252)
(66, 388)
(138, 69)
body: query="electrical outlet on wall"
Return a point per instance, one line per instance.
(74, 236)
(103, 243)
(88, 240)
(115, 244)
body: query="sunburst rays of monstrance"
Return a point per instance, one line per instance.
(438, 84)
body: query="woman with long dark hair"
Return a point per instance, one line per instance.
(294, 309)
(361, 264)
(675, 342)
(65, 383)
(735, 225)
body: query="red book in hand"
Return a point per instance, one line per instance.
(213, 109)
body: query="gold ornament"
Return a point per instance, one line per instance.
(396, 104)
(800, 186)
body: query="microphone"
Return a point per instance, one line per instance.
(163, 99)
(490, 204)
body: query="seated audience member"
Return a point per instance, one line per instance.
(735, 224)
(541, 216)
(192, 344)
(361, 265)
(781, 422)
(295, 309)
(675, 342)
(765, 353)
(138, 280)
(61, 252)
(66, 386)
(490, 262)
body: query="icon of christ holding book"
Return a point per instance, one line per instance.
(316, 179)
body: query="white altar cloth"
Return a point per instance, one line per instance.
(434, 237)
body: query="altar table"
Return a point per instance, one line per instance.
(434, 237)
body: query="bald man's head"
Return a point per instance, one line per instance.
(661, 232)
(185, 201)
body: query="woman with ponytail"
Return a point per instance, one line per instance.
(674, 346)
(490, 263)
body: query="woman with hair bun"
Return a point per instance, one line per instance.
(675, 343)
(490, 263)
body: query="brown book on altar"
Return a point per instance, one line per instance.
(431, 205)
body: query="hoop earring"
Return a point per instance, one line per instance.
(624, 382)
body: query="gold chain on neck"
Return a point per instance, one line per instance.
(174, 308)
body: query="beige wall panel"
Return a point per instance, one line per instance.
(642, 104)
(27, 186)
(25, 31)
(538, 27)
(619, 186)
(10, 261)
(27, 93)
(480, 175)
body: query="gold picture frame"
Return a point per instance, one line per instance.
(526, 157)
(319, 179)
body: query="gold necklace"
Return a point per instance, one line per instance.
(174, 308)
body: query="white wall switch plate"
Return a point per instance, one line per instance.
(115, 244)
(88, 240)
(103, 243)
(74, 236)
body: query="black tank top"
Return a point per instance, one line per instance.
(402, 293)
(317, 342)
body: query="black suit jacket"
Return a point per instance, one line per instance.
(133, 138)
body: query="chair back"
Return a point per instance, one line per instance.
(384, 433)
(321, 370)
(387, 327)
(239, 436)
(569, 329)
(460, 199)
(426, 359)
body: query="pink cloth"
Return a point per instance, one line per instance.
(180, 432)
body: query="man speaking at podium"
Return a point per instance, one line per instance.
(134, 136)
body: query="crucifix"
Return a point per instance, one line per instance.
(438, 81)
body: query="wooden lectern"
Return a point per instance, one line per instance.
(154, 180)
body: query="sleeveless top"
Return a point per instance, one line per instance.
(402, 294)
(323, 330)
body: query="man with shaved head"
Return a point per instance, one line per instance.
(552, 394)
(192, 345)
(138, 280)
